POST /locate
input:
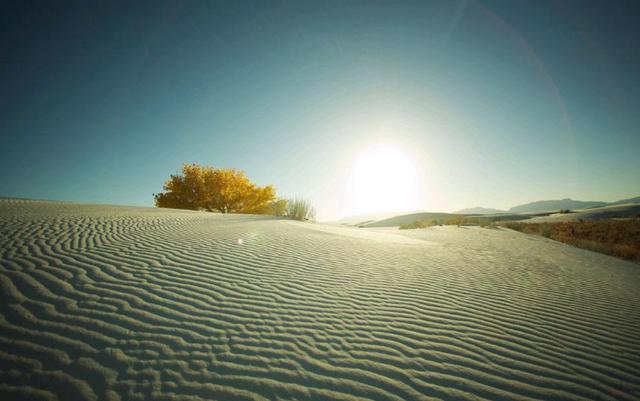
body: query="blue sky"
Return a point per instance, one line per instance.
(498, 102)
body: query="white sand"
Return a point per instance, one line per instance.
(103, 302)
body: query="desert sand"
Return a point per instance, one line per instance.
(109, 303)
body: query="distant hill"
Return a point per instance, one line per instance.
(409, 218)
(625, 201)
(480, 210)
(391, 219)
(549, 205)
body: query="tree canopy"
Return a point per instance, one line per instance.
(215, 189)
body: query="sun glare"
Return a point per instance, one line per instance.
(382, 179)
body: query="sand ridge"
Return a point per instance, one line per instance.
(107, 303)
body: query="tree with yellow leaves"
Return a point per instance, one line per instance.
(214, 189)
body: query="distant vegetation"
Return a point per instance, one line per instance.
(616, 237)
(226, 191)
(453, 220)
(420, 224)
(412, 218)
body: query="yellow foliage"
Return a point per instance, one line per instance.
(214, 189)
(278, 207)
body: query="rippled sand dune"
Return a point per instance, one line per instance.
(123, 303)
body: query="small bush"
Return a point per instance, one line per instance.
(565, 211)
(300, 209)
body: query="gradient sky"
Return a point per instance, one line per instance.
(499, 102)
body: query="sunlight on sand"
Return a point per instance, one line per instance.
(104, 302)
(124, 303)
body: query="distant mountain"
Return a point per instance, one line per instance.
(480, 210)
(549, 205)
(625, 201)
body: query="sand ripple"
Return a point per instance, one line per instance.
(122, 303)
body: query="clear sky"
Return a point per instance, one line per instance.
(495, 102)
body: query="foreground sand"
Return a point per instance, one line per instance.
(112, 303)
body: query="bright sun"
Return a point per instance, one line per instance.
(382, 179)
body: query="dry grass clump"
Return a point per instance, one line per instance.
(300, 209)
(616, 237)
